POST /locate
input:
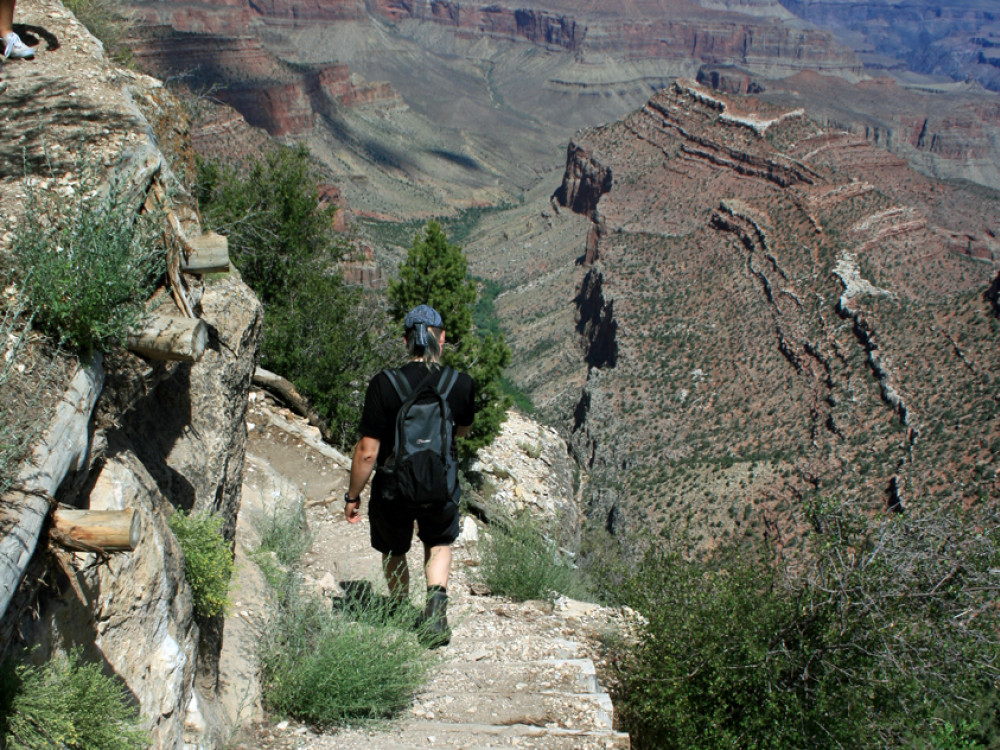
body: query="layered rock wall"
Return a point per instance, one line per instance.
(268, 94)
(535, 25)
(163, 437)
(180, 446)
(584, 181)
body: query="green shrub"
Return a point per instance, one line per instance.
(520, 563)
(710, 669)
(208, 560)
(87, 264)
(66, 704)
(284, 538)
(278, 236)
(886, 635)
(14, 428)
(328, 339)
(323, 335)
(332, 668)
(284, 532)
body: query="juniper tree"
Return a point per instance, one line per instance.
(324, 335)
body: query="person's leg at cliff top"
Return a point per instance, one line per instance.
(11, 45)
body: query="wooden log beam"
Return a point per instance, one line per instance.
(63, 446)
(90, 530)
(170, 338)
(208, 253)
(276, 384)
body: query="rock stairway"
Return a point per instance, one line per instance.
(514, 675)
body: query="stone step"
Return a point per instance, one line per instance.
(553, 675)
(537, 647)
(470, 736)
(587, 711)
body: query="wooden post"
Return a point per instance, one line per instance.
(277, 384)
(164, 337)
(106, 530)
(63, 446)
(208, 253)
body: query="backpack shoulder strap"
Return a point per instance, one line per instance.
(447, 381)
(399, 383)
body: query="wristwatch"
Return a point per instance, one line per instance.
(349, 499)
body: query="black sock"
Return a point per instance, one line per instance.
(431, 590)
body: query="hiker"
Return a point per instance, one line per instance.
(11, 46)
(392, 518)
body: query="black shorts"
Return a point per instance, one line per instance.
(392, 526)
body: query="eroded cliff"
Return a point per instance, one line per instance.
(797, 314)
(164, 436)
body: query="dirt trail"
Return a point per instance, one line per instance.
(515, 675)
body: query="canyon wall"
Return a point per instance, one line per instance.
(163, 437)
(959, 40)
(794, 312)
(241, 72)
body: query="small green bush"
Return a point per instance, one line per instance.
(519, 562)
(66, 704)
(283, 531)
(284, 538)
(884, 636)
(87, 264)
(14, 430)
(332, 668)
(208, 560)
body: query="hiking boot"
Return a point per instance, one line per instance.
(432, 625)
(15, 49)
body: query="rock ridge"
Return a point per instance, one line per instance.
(780, 291)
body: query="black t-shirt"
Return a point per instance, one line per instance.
(378, 418)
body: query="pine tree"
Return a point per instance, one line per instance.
(435, 273)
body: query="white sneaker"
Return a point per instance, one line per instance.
(14, 48)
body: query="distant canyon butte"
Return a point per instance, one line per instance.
(763, 270)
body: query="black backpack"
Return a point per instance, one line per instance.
(422, 471)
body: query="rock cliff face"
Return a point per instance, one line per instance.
(584, 182)
(267, 93)
(993, 295)
(536, 25)
(506, 81)
(638, 32)
(797, 314)
(163, 437)
(728, 79)
(528, 468)
(180, 445)
(949, 132)
(958, 40)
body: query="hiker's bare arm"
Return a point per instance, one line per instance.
(362, 465)
(462, 430)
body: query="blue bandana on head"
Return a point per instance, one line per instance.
(419, 319)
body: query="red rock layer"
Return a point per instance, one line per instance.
(661, 30)
(538, 26)
(243, 74)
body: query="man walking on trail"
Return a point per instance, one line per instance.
(391, 517)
